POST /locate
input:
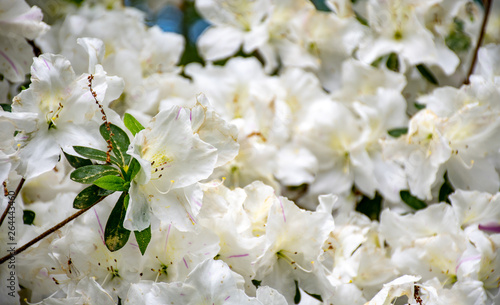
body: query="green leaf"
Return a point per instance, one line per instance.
(256, 283)
(445, 190)
(133, 169)
(393, 62)
(427, 74)
(419, 106)
(6, 107)
(132, 124)
(296, 298)
(397, 132)
(115, 235)
(457, 40)
(119, 141)
(88, 196)
(77, 162)
(412, 201)
(361, 19)
(94, 154)
(28, 217)
(316, 296)
(143, 238)
(90, 173)
(112, 183)
(370, 207)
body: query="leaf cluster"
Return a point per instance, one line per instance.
(105, 178)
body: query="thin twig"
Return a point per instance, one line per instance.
(487, 8)
(11, 200)
(48, 232)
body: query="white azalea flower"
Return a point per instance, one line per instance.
(66, 112)
(172, 255)
(172, 157)
(399, 26)
(292, 252)
(404, 285)
(19, 22)
(211, 282)
(235, 24)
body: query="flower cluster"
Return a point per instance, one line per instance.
(250, 152)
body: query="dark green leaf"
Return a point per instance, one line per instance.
(77, 2)
(6, 107)
(296, 298)
(397, 132)
(457, 40)
(133, 169)
(256, 283)
(376, 62)
(90, 173)
(88, 196)
(393, 62)
(77, 162)
(316, 296)
(419, 106)
(445, 190)
(427, 74)
(321, 5)
(94, 154)
(112, 183)
(412, 201)
(132, 124)
(361, 19)
(115, 235)
(143, 238)
(370, 207)
(119, 141)
(28, 217)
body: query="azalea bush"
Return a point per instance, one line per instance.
(250, 152)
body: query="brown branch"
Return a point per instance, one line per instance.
(11, 200)
(487, 9)
(48, 232)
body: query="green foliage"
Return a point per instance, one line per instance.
(143, 238)
(115, 235)
(28, 217)
(95, 154)
(132, 124)
(77, 162)
(6, 107)
(297, 297)
(119, 141)
(256, 283)
(88, 196)
(109, 178)
(397, 132)
(419, 106)
(446, 190)
(90, 173)
(412, 201)
(427, 74)
(321, 5)
(112, 183)
(457, 40)
(132, 170)
(371, 207)
(392, 62)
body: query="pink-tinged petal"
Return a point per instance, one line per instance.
(101, 231)
(467, 259)
(9, 61)
(238, 255)
(282, 208)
